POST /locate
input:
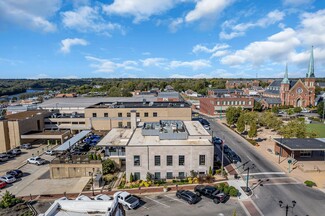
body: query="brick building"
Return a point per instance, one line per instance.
(231, 84)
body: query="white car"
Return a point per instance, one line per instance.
(103, 197)
(127, 199)
(36, 160)
(206, 127)
(8, 179)
(50, 152)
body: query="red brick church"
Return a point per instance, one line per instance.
(296, 93)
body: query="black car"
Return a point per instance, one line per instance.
(217, 140)
(10, 154)
(16, 173)
(211, 192)
(188, 196)
(233, 157)
(226, 149)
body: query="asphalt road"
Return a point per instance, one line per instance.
(309, 201)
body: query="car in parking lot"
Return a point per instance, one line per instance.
(8, 179)
(209, 192)
(10, 154)
(16, 173)
(16, 151)
(127, 199)
(221, 198)
(188, 196)
(3, 157)
(217, 140)
(50, 152)
(26, 146)
(36, 160)
(2, 184)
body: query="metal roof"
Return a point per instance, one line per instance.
(71, 142)
(308, 144)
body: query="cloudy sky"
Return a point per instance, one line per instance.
(160, 38)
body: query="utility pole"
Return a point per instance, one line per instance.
(247, 177)
(222, 157)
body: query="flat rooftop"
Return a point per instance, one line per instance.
(145, 104)
(116, 137)
(308, 144)
(83, 102)
(195, 128)
(48, 132)
(24, 115)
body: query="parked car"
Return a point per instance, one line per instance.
(36, 160)
(16, 151)
(128, 200)
(188, 196)
(10, 154)
(2, 184)
(221, 198)
(16, 173)
(50, 152)
(8, 179)
(226, 149)
(3, 157)
(206, 127)
(233, 157)
(103, 197)
(217, 140)
(26, 146)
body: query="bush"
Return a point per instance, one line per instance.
(218, 171)
(221, 186)
(251, 141)
(309, 183)
(108, 166)
(226, 190)
(109, 177)
(233, 191)
(8, 200)
(131, 177)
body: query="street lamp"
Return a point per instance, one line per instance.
(93, 181)
(287, 206)
(247, 177)
(222, 150)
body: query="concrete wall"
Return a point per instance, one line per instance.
(58, 171)
(147, 164)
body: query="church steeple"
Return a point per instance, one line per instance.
(286, 79)
(310, 73)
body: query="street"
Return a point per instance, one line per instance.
(278, 186)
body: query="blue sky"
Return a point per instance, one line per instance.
(160, 38)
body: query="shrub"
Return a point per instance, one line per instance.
(99, 157)
(233, 191)
(226, 189)
(108, 166)
(131, 177)
(109, 177)
(218, 171)
(309, 183)
(221, 186)
(251, 141)
(8, 200)
(149, 176)
(210, 171)
(193, 174)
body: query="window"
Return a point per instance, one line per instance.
(128, 124)
(94, 115)
(305, 153)
(155, 114)
(120, 124)
(157, 175)
(157, 160)
(181, 160)
(249, 102)
(169, 175)
(120, 115)
(244, 102)
(105, 115)
(202, 160)
(146, 114)
(218, 102)
(128, 114)
(169, 160)
(136, 176)
(224, 102)
(136, 160)
(181, 175)
(138, 114)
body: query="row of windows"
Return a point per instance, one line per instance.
(169, 175)
(234, 102)
(169, 160)
(146, 114)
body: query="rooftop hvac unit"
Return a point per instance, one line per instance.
(151, 103)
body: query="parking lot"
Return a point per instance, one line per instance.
(169, 204)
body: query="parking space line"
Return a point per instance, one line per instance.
(157, 202)
(175, 199)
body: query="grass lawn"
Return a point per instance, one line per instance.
(318, 128)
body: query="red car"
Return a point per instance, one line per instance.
(2, 184)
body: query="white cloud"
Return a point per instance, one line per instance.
(237, 30)
(297, 2)
(275, 48)
(140, 9)
(33, 14)
(174, 25)
(201, 48)
(66, 44)
(207, 9)
(195, 64)
(109, 66)
(86, 19)
(157, 62)
(219, 53)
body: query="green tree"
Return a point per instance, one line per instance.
(99, 157)
(232, 115)
(252, 129)
(108, 166)
(297, 109)
(320, 109)
(294, 128)
(210, 171)
(257, 106)
(131, 177)
(275, 109)
(8, 200)
(241, 123)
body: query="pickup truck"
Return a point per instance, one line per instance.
(36, 160)
(127, 200)
(212, 193)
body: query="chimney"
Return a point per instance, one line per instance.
(133, 119)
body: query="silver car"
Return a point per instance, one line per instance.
(3, 157)
(8, 179)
